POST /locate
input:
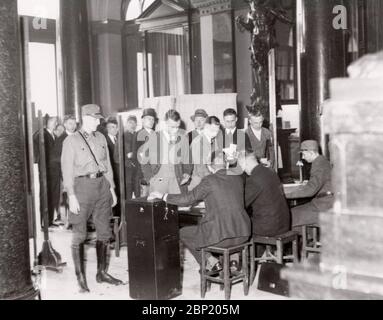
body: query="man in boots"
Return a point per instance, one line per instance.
(88, 180)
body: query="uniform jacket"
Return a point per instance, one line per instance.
(264, 195)
(319, 184)
(225, 216)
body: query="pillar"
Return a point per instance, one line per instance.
(322, 58)
(15, 272)
(351, 233)
(75, 55)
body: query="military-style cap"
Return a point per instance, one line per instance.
(310, 145)
(92, 110)
(199, 113)
(149, 112)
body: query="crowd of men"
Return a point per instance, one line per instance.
(231, 170)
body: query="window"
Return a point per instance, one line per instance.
(136, 7)
(167, 62)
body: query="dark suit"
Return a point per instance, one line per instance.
(142, 138)
(317, 187)
(238, 138)
(114, 161)
(53, 171)
(264, 195)
(192, 135)
(262, 148)
(131, 166)
(225, 216)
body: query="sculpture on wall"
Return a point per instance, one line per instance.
(260, 23)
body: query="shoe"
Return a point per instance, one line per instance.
(102, 275)
(78, 259)
(216, 268)
(59, 222)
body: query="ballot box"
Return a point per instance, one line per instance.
(153, 250)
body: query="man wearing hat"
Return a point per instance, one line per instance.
(319, 187)
(88, 180)
(199, 119)
(149, 119)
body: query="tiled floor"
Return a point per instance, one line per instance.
(63, 286)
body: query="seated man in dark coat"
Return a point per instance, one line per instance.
(226, 222)
(319, 187)
(264, 195)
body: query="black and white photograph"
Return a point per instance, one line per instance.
(208, 152)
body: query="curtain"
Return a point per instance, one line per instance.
(167, 62)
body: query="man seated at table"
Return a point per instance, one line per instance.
(264, 196)
(319, 187)
(226, 222)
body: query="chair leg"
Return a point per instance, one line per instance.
(203, 275)
(295, 250)
(226, 275)
(245, 270)
(304, 244)
(279, 252)
(315, 236)
(252, 263)
(117, 237)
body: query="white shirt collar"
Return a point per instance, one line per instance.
(148, 130)
(232, 131)
(113, 138)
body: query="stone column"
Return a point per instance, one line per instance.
(15, 272)
(351, 234)
(323, 58)
(75, 55)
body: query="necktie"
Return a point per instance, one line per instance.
(229, 139)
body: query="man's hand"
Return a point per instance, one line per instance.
(130, 155)
(74, 206)
(155, 195)
(114, 197)
(185, 179)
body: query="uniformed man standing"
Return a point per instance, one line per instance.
(88, 180)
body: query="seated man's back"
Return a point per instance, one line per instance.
(264, 194)
(225, 216)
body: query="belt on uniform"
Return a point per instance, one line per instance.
(93, 175)
(324, 194)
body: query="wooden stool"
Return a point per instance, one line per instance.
(316, 245)
(279, 242)
(225, 277)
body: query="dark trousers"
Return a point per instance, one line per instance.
(53, 194)
(188, 236)
(132, 183)
(304, 215)
(95, 200)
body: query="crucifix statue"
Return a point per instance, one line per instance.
(260, 23)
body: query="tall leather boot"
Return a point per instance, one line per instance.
(102, 275)
(78, 259)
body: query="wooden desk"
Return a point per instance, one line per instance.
(293, 202)
(190, 217)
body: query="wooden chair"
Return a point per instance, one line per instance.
(225, 277)
(280, 256)
(308, 246)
